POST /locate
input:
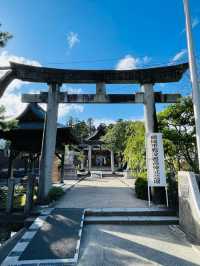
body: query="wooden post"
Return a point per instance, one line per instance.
(49, 142)
(10, 198)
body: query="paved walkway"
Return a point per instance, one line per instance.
(135, 245)
(57, 233)
(102, 193)
(52, 239)
(125, 245)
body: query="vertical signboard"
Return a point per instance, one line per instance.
(155, 160)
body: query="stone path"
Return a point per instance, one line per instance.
(135, 245)
(102, 193)
(101, 245)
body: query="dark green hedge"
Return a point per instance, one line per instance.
(141, 188)
(55, 193)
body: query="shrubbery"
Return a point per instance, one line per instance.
(172, 191)
(141, 188)
(55, 193)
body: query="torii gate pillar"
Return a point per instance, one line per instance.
(149, 104)
(89, 158)
(49, 142)
(150, 125)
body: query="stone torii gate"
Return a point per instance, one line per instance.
(56, 77)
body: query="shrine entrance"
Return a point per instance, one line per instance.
(146, 78)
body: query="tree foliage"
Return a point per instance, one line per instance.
(134, 153)
(81, 129)
(177, 124)
(116, 137)
(127, 139)
(6, 125)
(4, 37)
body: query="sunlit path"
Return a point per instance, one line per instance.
(117, 245)
(102, 193)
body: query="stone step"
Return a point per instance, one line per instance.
(143, 220)
(69, 166)
(70, 173)
(130, 212)
(69, 169)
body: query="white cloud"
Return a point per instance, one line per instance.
(129, 62)
(65, 109)
(195, 22)
(5, 58)
(146, 59)
(12, 96)
(180, 55)
(72, 39)
(13, 104)
(105, 121)
(71, 90)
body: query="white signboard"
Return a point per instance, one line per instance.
(155, 160)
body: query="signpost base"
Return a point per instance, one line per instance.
(161, 194)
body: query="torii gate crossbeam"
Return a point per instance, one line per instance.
(56, 77)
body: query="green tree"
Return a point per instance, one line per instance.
(79, 128)
(116, 137)
(4, 37)
(90, 124)
(177, 124)
(6, 125)
(134, 153)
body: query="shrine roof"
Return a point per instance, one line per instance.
(95, 138)
(27, 136)
(32, 117)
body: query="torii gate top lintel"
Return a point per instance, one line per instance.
(29, 73)
(56, 77)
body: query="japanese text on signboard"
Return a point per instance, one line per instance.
(155, 160)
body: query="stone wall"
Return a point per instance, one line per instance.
(189, 204)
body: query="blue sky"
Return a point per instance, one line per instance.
(94, 34)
